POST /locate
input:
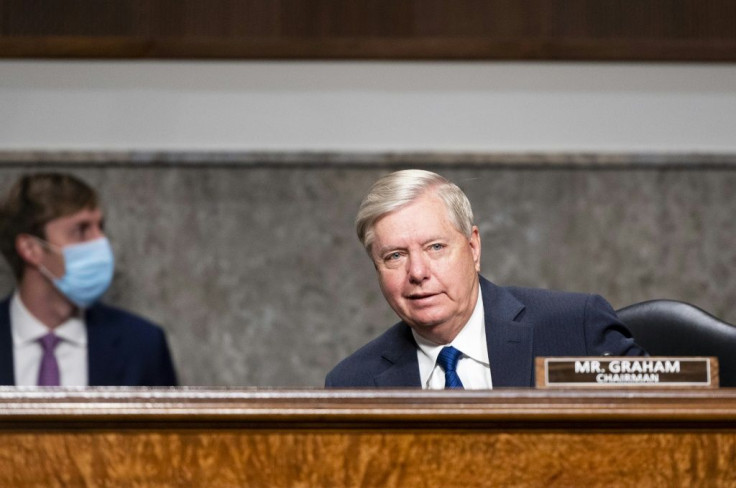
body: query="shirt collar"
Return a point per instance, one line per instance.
(26, 328)
(472, 338)
(471, 341)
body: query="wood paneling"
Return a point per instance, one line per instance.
(275, 438)
(669, 30)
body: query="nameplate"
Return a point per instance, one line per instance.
(626, 372)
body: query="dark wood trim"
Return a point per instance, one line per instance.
(369, 49)
(586, 30)
(378, 408)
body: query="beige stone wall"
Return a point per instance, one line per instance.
(254, 270)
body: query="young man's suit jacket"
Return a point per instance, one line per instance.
(123, 349)
(521, 324)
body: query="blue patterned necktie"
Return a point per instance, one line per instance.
(448, 359)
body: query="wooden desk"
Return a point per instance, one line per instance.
(386, 438)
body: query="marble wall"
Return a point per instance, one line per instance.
(255, 272)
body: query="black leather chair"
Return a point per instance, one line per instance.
(672, 328)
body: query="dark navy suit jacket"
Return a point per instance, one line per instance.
(521, 324)
(123, 349)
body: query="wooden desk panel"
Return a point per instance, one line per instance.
(312, 438)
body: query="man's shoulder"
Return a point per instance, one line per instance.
(101, 314)
(360, 367)
(378, 346)
(141, 347)
(565, 305)
(572, 324)
(5, 306)
(547, 297)
(506, 294)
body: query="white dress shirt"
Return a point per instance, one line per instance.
(71, 352)
(473, 368)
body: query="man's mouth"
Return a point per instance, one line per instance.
(421, 296)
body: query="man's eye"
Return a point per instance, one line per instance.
(393, 257)
(436, 247)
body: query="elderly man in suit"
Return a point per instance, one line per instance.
(457, 329)
(52, 330)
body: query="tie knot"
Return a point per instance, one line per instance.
(448, 358)
(49, 341)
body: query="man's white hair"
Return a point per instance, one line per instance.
(398, 189)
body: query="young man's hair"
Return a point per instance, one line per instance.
(35, 200)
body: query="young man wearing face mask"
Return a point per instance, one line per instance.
(53, 332)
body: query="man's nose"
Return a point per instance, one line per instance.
(96, 231)
(419, 268)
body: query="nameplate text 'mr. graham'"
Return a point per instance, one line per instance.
(625, 372)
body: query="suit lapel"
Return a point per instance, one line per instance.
(102, 349)
(509, 345)
(7, 369)
(401, 354)
(509, 342)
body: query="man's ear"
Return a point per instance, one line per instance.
(475, 247)
(29, 249)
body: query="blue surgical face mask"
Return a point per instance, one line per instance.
(89, 267)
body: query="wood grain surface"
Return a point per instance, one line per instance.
(313, 438)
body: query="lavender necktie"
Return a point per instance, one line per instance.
(48, 373)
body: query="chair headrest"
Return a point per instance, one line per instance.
(674, 328)
(671, 314)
